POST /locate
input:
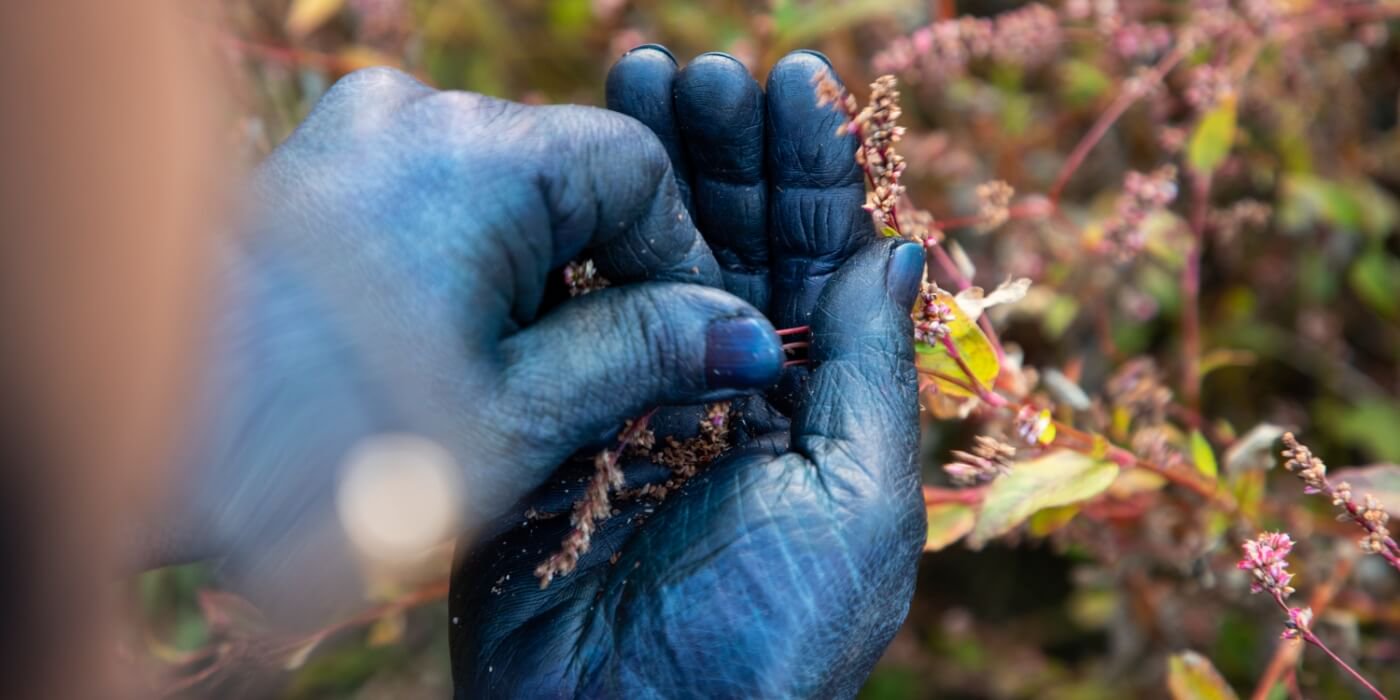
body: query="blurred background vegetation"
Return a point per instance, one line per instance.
(1302, 314)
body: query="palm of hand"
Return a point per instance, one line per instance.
(784, 567)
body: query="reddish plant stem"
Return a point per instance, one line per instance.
(981, 391)
(1390, 549)
(796, 345)
(1087, 443)
(934, 495)
(950, 268)
(1285, 657)
(793, 331)
(1129, 94)
(1191, 293)
(1310, 638)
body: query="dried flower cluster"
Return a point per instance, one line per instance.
(1207, 85)
(594, 507)
(931, 316)
(877, 128)
(1137, 388)
(1307, 467)
(686, 457)
(1243, 215)
(1032, 424)
(1027, 36)
(1266, 559)
(993, 204)
(989, 459)
(1143, 194)
(582, 278)
(1369, 513)
(920, 226)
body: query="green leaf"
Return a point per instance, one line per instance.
(798, 24)
(1214, 135)
(1082, 82)
(1203, 456)
(1191, 676)
(1353, 205)
(889, 232)
(947, 523)
(976, 351)
(1370, 424)
(1375, 277)
(1381, 481)
(1059, 478)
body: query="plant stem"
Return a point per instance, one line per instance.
(961, 281)
(1286, 655)
(1129, 94)
(1191, 293)
(934, 495)
(981, 391)
(1310, 638)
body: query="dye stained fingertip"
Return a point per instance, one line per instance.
(657, 48)
(904, 272)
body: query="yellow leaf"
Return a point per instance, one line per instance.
(1134, 481)
(1049, 520)
(1203, 455)
(1214, 135)
(1060, 478)
(306, 16)
(1191, 676)
(976, 351)
(947, 523)
(1047, 435)
(387, 630)
(357, 57)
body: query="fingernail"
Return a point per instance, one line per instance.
(818, 55)
(656, 47)
(717, 55)
(904, 273)
(742, 353)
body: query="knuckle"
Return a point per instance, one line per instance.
(652, 316)
(374, 83)
(619, 138)
(480, 111)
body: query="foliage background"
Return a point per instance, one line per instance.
(1300, 320)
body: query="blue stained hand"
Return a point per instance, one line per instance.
(783, 568)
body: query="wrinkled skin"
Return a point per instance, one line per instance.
(783, 569)
(402, 274)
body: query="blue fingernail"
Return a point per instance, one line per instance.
(656, 47)
(904, 273)
(742, 353)
(816, 54)
(717, 54)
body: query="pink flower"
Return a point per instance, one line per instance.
(1266, 558)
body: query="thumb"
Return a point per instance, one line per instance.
(608, 356)
(858, 419)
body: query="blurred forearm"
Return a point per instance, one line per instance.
(280, 402)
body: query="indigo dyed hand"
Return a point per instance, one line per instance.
(782, 568)
(402, 276)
